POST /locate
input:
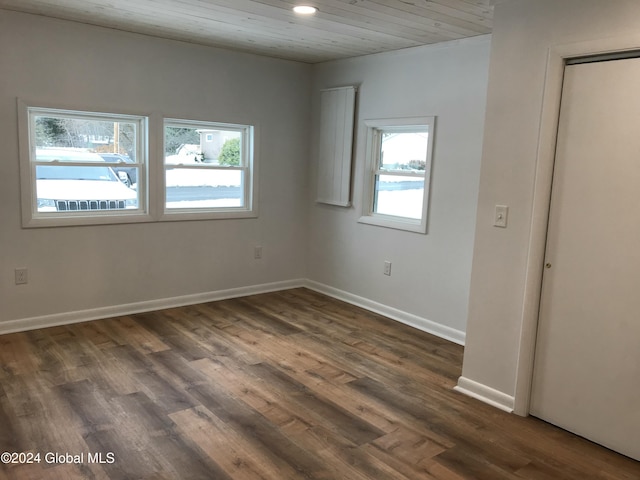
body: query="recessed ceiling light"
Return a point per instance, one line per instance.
(305, 9)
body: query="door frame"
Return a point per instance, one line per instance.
(557, 58)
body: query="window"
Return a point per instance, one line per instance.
(208, 170)
(397, 173)
(82, 167)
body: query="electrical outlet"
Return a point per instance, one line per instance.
(21, 275)
(257, 252)
(387, 268)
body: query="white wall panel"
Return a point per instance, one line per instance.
(337, 110)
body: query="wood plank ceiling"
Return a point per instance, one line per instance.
(340, 28)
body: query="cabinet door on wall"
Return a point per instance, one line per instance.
(336, 145)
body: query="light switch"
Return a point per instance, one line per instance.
(500, 218)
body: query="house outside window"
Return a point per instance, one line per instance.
(208, 170)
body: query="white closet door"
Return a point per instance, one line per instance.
(587, 367)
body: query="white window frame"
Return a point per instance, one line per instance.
(150, 161)
(247, 166)
(375, 129)
(28, 162)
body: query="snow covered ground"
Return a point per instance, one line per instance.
(189, 177)
(220, 203)
(396, 202)
(400, 203)
(203, 178)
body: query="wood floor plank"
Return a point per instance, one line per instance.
(286, 414)
(15, 355)
(259, 433)
(163, 392)
(56, 472)
(409, 446)
(262, 434)
(257, 318)
(205, 332)
(256, 394)
(228, 448)
(281, 386)
(348, 460)
(127, 331)
(8, 433)
(409, 470)
(348, 426)
(499, 456)
(350, 400)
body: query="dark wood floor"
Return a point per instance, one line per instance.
(288, 385)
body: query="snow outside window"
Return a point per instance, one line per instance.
(208, 170)
(397, 173)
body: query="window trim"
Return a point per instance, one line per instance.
(375, 127)
(249, 140)
(27, 148)
(151, 187)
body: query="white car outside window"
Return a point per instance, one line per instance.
(74, 181)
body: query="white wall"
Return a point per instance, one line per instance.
(430, 273)
(515, 171)
(78, 268)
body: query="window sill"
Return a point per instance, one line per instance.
(71, 221)
(397, 223)
(185, 215)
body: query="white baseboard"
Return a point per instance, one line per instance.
(24, 324)
(67, 318)
(437, 329)
(485, 394)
